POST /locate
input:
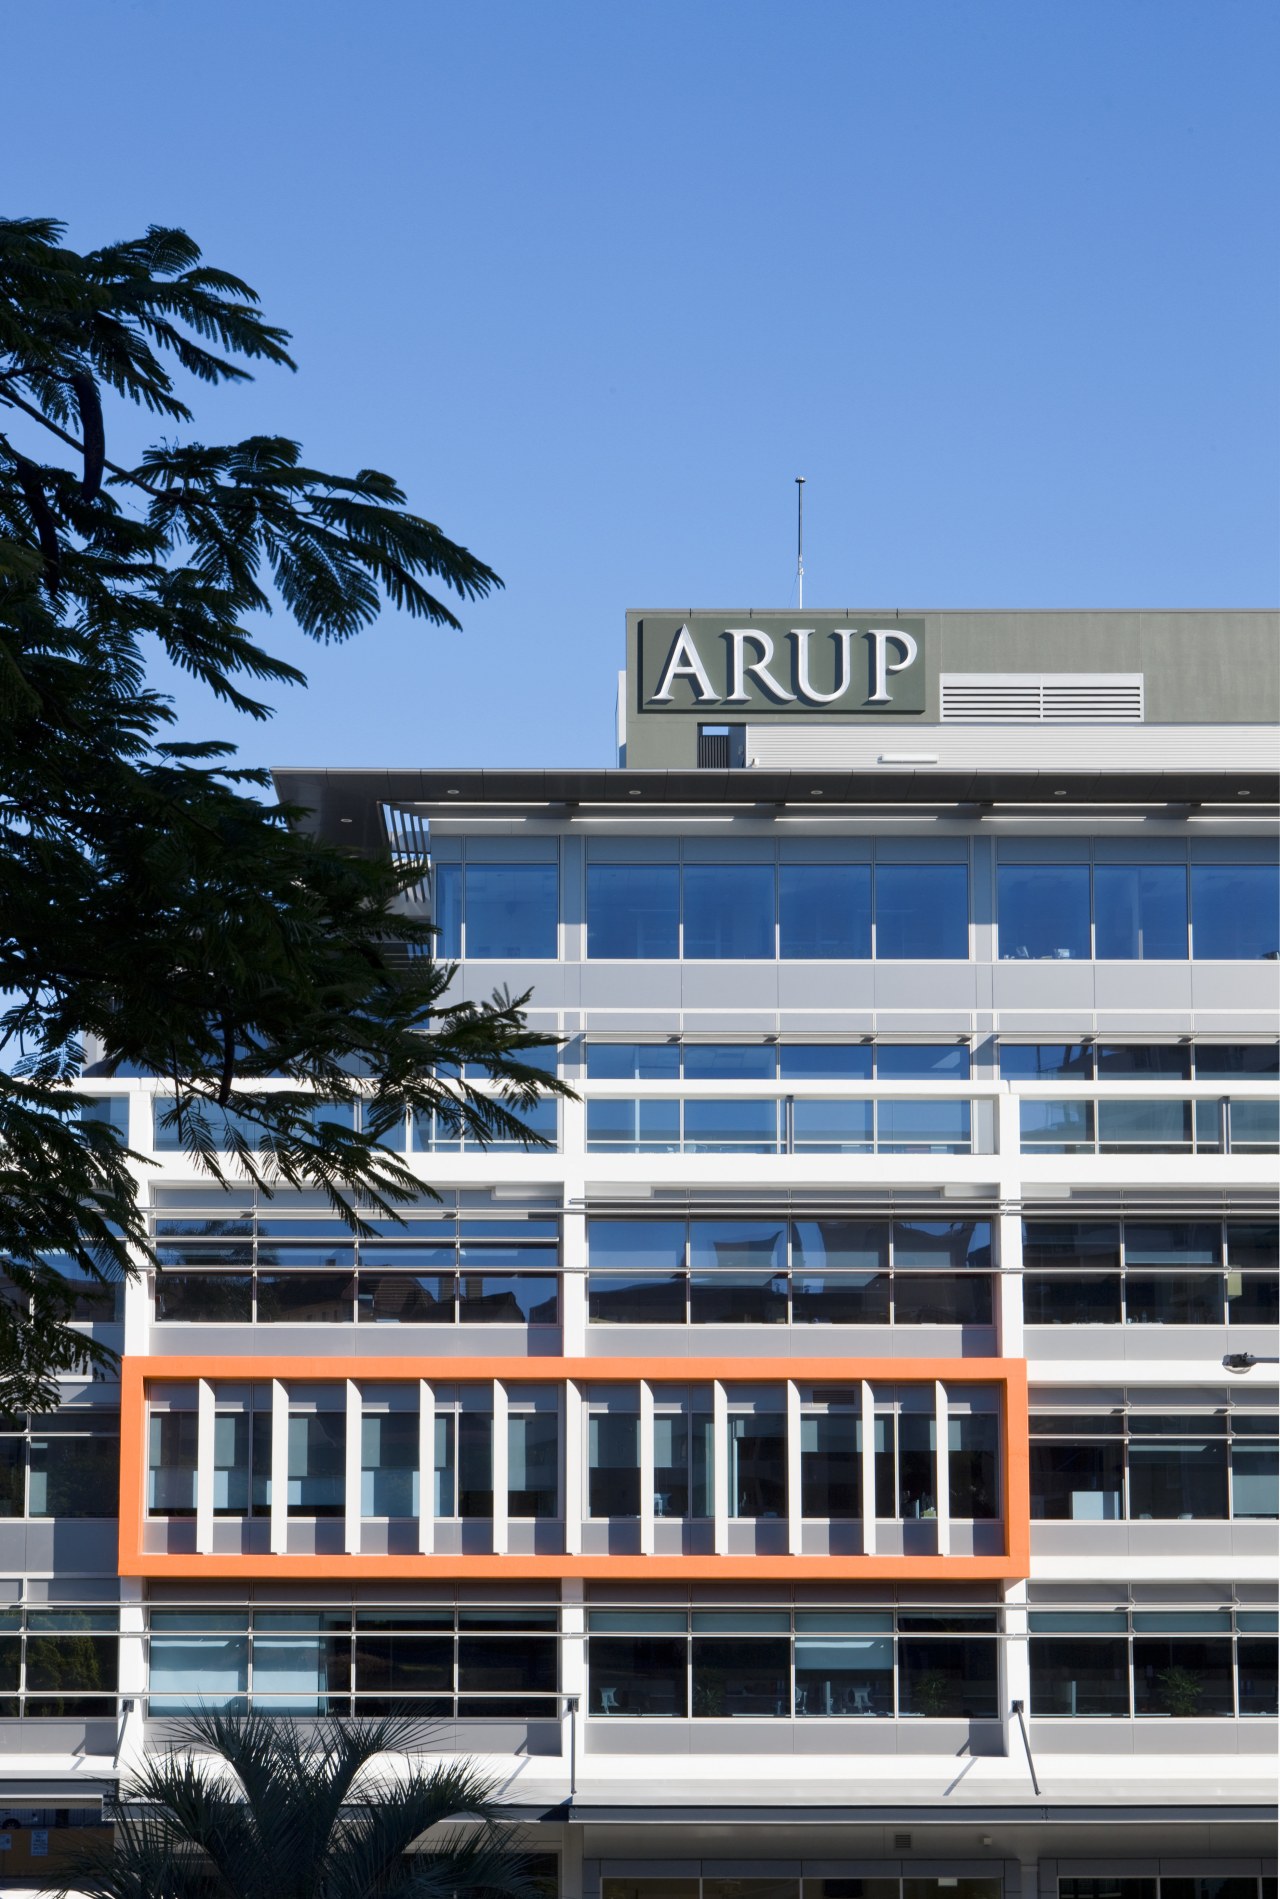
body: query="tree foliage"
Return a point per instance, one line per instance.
(253, 1808)
(153, 897)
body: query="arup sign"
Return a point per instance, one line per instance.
(770, 665)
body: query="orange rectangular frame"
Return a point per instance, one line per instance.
(1010, 1374)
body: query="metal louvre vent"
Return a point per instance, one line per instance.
(1059, 698)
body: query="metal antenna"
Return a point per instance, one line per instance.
(799, 540)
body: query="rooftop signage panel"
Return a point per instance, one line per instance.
(779, 665)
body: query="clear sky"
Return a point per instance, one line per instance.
(596, 279)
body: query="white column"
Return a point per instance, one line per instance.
(575, 1500)
(501, 1456)
(795, 1515)
(426, 1467)
(646, 1467)
(204, 1467)
(133, 1669)
(1015, 1670)
(942, 1474)
(720, 1467)
(355, 1460)
(573, 1660)
(1010, 1339)
(868, 1469)
(573, 1278)
(279, 1469)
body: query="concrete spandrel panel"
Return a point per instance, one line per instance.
(476, 982)
(1045, 984)
(936, 986)
(1143, 987)
(636, 1737)
(630, 985)
(826, 986)
(1254, 987)
(715, 985)
(1082, 1737)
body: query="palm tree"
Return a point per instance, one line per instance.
(252, 1807)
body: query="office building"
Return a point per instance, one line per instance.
(842, 1465)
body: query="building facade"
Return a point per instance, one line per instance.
(842, 1464)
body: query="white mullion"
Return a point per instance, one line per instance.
(499, 1462)
(646, 1468)
(795, 1518)
(941, 1468)
(352, 1501)
(426, 1467)
(720, 1467)
(279, 1468)
(574, 1426)
(868, 1469)
(204, 1467)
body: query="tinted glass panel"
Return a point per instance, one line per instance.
(633, 1061)
(728, 910)
(1044, 911)
(730, 1061)
(1140, 911)
(511, 910)
(825, 910)
(633, 910)
(831, 1061)
(922, 911)
(1235, 911)
(1046, 1061)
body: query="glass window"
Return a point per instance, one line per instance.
(922, 912)
(75, 1466)
(728, 910)
(1074, 1482)
(207, 1298)
(1256, 1662)
(401, 1298)
(739, 1272)
(317, 1466)
(506, 1673)
(171, 1464)
(922, 1061)
(736, 1677)
(389, 1464)
(974, 1444)
(613, 1464)
(633, 911)
(242, 1461)
(943, 1678)
(637, 1675)
(1157, 1060)
(839, 1272)
(633, 1061)
(1235, 911)
(830, 1470)
(401, 1664)
(1046, 1061)
(1137, 1127)
(758, 1466)
(1056, 1127)
(533, 1464)
(1078, 1676)
(939, 1127)
(199, 1670)
(825, 911)
(1185, 1479)
(71, 1665)
(1140, 911)
(832, 1127)
(511, 910)
(506, 1299)
(1255, 1469)
(1223, 1061)
(844, 1675)
(1182, 1675)
(300, 1298)
(446, 882)
(636, 1272)
(636, 1127)
(1044, 912)
(825, 1061)
(683, 1447)
(730, 1061)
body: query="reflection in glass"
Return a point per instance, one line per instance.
(1044, 911)
(825, 911)
(922, 912)
(511, 910)
(633, 911)
(728, 910)
(1235, 911)
(1140, 911)
(844, 1675)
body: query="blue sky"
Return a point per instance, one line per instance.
(597, 281)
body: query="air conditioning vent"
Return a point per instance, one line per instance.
(1047, 698)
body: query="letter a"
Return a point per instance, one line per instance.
(683, 663)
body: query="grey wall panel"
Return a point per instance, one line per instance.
(730, 985)
(633, 850)
(1239, 986)
(836, 986)
(936, 986)
(824, 850)
(1138, 987)
(630, 985)
(1082, 1737)
(476, 982)
(528, 848)
(89, 1546)
(1042, 985)
(634, 1737)
(728, 849)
